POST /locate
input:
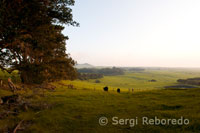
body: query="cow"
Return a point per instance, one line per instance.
(105, 88)
(118, 90)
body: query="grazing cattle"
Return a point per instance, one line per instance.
(118, 90)
(105, 88)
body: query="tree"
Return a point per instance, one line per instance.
(31, 39)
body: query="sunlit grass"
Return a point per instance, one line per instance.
(78, 110)
(139, 81)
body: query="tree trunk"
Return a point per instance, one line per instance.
(31, 77)
(26, 77)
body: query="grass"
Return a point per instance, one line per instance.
(139, 80)
(79, 110)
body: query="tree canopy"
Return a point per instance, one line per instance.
(31, 39)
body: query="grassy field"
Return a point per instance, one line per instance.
(78, 110)
(139, 80)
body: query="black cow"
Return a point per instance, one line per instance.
(118, 90)
(105, 88)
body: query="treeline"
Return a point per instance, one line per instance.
(94, 73)
(191, 81)
(133, 69)
(86, 76)
(104, 71)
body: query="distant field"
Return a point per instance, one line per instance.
(139, 80)
(78, 110)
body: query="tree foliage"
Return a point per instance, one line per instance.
(31, 39)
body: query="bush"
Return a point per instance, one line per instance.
(97, 81)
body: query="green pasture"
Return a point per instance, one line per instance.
(78, 110)
(139, 81)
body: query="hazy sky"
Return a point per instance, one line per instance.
(162, 33)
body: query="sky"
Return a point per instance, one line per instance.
(161, 33)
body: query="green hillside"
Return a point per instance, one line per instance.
(79, 109)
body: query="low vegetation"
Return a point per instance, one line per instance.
(190, 81)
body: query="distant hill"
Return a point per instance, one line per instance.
(85, 65)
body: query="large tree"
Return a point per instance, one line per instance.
(31, 39)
